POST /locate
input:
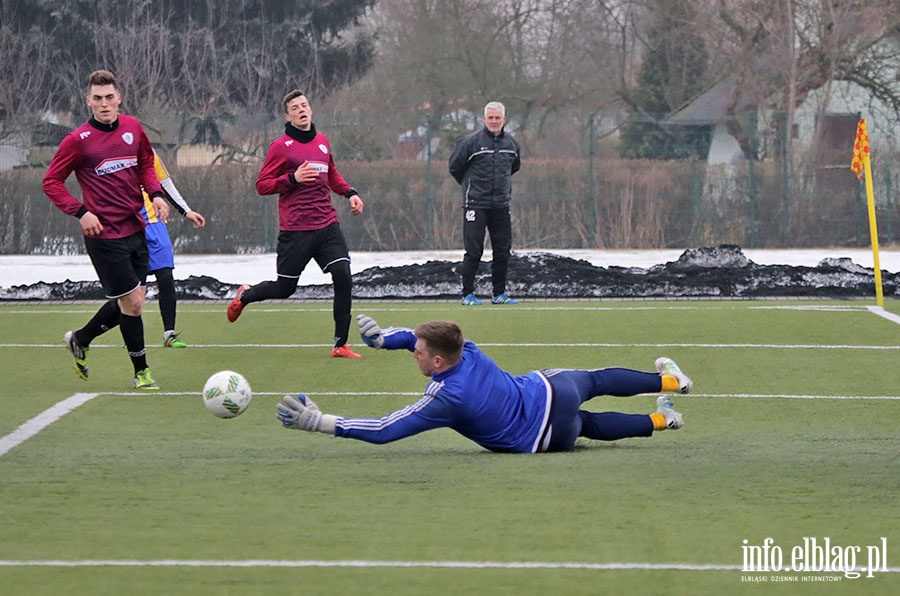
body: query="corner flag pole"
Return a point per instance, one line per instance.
(861, 162)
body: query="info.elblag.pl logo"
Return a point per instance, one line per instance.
(817, 556)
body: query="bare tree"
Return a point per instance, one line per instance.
(539, 56)
(135, 44)
(779, 51)
(26, 91)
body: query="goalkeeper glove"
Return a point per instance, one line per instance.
(370, 331)
(302, 413)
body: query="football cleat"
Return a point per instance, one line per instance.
(236, 306)
(503, 299)
(664, 406)
(471, 300)
(344, 351)
(79, 354)
(143, 381)
(172, 340)
(667, 366)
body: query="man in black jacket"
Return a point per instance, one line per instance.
(483, 164)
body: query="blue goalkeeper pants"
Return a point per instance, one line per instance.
(571, 388)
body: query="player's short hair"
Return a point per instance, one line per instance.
(495, 105)
(101, 77)
(443, 338)
(291, 95)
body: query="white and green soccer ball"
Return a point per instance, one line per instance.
(227, 394)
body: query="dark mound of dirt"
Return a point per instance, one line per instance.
(718, 272)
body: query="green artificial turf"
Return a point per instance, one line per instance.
(791, 433)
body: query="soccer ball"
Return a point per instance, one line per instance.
(226, 394)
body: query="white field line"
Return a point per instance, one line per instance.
(877, 310)
(313, 392)
(788, 396)
(523, 345)
(54, 413)
(412, 564)
(299, 307)
(32, 427)
(364, 563)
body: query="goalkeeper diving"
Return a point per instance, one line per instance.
(532, 413)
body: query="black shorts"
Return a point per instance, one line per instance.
(295, 249)
(120, 263)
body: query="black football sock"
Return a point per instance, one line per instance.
(103, 320)
(165, 285)
(133, 333)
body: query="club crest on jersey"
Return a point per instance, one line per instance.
(108, 166)
(323, 148)
(128, 138)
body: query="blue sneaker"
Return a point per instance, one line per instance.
(503, 299)
(471, 300)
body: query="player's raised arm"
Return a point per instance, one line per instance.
(370, 331)
(392, 338)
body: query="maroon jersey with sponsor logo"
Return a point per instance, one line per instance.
(306, 206)
(111, 163)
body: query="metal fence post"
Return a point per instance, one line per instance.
(591, 188)
(429, 186)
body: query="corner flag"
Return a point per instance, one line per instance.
(862, 163)
(860, 149)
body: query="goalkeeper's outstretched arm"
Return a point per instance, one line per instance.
(302, 413)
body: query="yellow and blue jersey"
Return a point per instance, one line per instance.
(157, 234)
(149, 212)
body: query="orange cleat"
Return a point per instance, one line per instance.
(344, 352)
(236, 306)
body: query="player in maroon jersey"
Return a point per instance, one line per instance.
(112, 160)
(299, 167)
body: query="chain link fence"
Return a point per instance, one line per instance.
(574, 191)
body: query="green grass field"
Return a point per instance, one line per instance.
(792, 432)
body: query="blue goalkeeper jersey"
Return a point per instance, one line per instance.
(476, 398)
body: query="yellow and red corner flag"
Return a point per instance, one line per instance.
(860, 149)
(862, 162)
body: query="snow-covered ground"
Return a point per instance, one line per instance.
(18, 270)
